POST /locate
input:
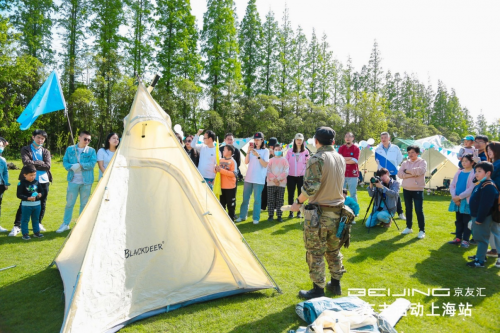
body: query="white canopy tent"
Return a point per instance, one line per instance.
(152, 237)
(440, 167)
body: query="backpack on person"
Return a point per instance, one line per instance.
(495, 214)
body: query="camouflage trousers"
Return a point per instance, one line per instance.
(322, 242)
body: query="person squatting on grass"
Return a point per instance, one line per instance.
(208, 158)
(297, 159)
(483, 200)
(412, 171)
(277, 172)
(493, 154)
(257, 159)
(351, 203)
(4, 177)
(35, 154)
(31, 193)
(80, 161)
(386, 194)
(460, 189)
(228, 169)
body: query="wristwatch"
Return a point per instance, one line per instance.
(298, 202)
(258, 157)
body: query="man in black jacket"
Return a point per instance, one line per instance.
(35, 154)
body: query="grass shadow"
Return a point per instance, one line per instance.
(380, 250)
(28, 299)
(47, 236)
(274, 322)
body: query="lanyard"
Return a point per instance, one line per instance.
(34, 154)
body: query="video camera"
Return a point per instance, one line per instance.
(375, 180)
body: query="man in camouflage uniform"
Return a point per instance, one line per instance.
(323, 185)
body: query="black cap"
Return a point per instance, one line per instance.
(272, 142)
(258, 135)
(325, 134)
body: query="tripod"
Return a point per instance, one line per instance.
(374, 197)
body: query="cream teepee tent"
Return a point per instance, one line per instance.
(153, 237)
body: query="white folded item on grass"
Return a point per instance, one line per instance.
(395, 311)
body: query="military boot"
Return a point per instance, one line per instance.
(316, 291)
(334, 287)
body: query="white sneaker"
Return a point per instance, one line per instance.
(41, 227)
(402, 216)
(62, 228)
(407, 231)
(15, 231)
(498, 263)
(255, 222)
(3, 229)
(421, 234)
(239, 219)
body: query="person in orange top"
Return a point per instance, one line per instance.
(228, 173)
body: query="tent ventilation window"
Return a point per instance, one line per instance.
(144, 130)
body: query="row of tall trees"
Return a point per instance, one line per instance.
(257, 74)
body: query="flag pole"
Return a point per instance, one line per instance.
(69, 124)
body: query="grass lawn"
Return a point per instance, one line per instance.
(31, 295)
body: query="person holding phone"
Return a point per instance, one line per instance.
(208, 159)
(257, 159)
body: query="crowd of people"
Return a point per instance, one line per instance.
(270, 171)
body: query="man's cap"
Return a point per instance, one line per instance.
(272, 142)
(299, 136)
(469, 137)
(258, 135)
(325, 134)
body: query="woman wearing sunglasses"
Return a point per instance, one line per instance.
(80, 161)
(193, 153)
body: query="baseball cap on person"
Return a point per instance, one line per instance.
(272, 142)
(325, 134)
(469, 137)
(299, 136)
(258, 135)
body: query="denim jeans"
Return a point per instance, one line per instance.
(248, 188)
(377, 217)
(72, 195)
(351, 183)
(28, 212)
(481, 234)
(210, 182)
(417, 198)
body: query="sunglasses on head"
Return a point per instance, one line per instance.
(87, 139)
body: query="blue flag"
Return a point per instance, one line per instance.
(384, 163)
(48, 99)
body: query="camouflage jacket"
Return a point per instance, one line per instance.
(325, 190)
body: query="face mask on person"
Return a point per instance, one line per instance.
(1, 150)
(36, 144)
(278, 153)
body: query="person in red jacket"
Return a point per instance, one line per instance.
(350, 152)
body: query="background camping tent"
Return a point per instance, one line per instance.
(152, 237)
(441, 166)
(367, 164)
(438, 141)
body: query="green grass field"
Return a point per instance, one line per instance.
(31, 295)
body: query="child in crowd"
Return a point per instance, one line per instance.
(4, 176)
(228, 173)
(460, 189)
(482, 201)
(351, 203)
(27, 191)
(277, 172)
(466, 149)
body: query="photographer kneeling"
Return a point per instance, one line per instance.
(386, 193)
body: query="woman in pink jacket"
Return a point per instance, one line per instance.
(412, 171)
(297, 160)
(461, 189)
